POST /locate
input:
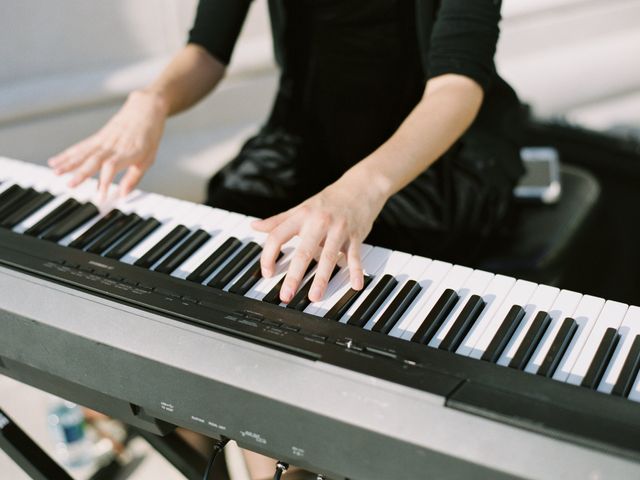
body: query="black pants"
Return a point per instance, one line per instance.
(449, 212)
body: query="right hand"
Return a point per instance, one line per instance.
(130, 141)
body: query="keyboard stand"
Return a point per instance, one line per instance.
(35, 462)
(26, 453)
(186, 459)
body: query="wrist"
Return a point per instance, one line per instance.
(369, 183)
(156, 98)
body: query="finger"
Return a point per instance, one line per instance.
(108, 170)
(270, 223)
(328, 260)
(311, 235)
(356, 274)
(272, 247)
(74, 157)
(131, 179)
(87, 169)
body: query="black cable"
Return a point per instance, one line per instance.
(281, 467)
(217, 448)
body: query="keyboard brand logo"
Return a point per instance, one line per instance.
(101, 265)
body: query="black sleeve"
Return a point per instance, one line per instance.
(217, 26)
(464, 38)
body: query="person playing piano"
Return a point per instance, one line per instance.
(390, 124)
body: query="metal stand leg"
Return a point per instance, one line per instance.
(26, 453)
(181, 455)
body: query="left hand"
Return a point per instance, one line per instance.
(334, 221)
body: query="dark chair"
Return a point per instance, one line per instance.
(542, 240)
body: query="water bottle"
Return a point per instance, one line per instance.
(67, 426)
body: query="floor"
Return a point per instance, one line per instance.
(27, 407)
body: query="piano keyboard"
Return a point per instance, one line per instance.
(539, 329)
(191, 257)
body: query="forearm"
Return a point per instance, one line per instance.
(448, 107)
(189, 77)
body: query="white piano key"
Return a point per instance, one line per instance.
(137, 201)
(541, 300)
(518, 295)
(412, 270)
(243, 233)
(16, 172)
(168, 212)
(373, 263)
(265, 285)
(24, 175)
(611, 315)
(211, 219)
(250, 235)
(493, 296)
(219, 234)
(392, 265)
(83, 193)
(585, 316)
(563, 307)
(191, 220)
(337, 287)
(628, 331)
(634, 394)
(474, 285)
(454, 279)
(428, 281)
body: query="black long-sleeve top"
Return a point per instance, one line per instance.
(453, 36)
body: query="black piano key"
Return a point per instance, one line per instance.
(629, 372)
(374, 300)
(17, 201)
(436, 317)
(78, 218)
(336, 312)
(163, 247)
(273, 296)
(26, 210)
(186, 249)
(502, 337)
(530, 341)
(8, 194)
(250, 278)
(601, 359)
(238, 263)
(213, 261)
(96, 230)
(462, 325)
(57, 214)
(117, 231)
(397, 307)
(558, 347)
(300, 300)
(132, 238)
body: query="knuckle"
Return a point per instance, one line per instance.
(341, 224)
(305, 210)
(304, 255)
(291, 283)
(330, 256)
(272, 244)
(323, 219)
(321, 280)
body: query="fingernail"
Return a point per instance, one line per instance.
(315, 295)
(266, 273)
(286, 295)
(358, 283)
